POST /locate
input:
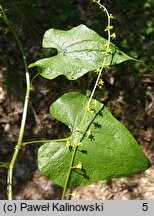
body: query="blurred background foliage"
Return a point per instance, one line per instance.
(128, 87)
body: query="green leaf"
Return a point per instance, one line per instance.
(80, 50)
(107, 148)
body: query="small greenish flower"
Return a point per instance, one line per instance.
(79, 144)
(106, 66)
(113, 36)
(94, 102)
(88, 133)
(111, 16)
(78, 166)
(108, 51)
(100, 84)
(87, 108)
(68, 143)
(98, 70)
(108, 28)
(73, 195)
(97, 1)
(79, 130)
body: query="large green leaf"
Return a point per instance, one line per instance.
(109, 151)
(80, 50)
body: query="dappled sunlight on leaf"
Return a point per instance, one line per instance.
(108, 151)
(80, 50)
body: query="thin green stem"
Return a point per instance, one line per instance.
(8, 23)
(93, 91)
(72, 158)
(107, 50)
(4, 165)
(87, 108)
(31, 84)
(44, 141)
(69, 172)
(19, 143)
(25, 108)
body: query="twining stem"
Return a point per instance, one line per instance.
(25, 108)
(107, 50)
(72, 158)
(19, 143)
(69, 172)
(7, 22)
(75, 147)
(44, 141)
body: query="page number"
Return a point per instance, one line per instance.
(145, 207)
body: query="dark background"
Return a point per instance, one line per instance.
(128, 89)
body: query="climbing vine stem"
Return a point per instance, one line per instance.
(105, 65)
(18, 146)
(107, 48)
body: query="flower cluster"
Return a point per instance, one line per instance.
(100, 84)
(107, 48)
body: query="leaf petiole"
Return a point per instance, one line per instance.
(44, 141)
(4, 165)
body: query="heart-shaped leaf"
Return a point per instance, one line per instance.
(80, 50)
(107, 149)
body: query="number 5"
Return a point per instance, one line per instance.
(145, 207)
